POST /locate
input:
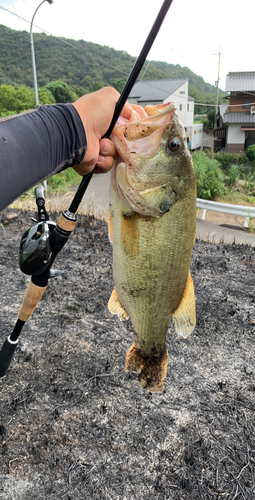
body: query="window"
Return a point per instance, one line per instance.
(182, 91)
(187, 107)
(180, 107)
(246, 102)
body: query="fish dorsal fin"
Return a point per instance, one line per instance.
(184, 317)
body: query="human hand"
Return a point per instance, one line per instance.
(96, 111)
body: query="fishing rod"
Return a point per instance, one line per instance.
(41, 244)
(124, 95)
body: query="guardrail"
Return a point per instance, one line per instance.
(243, 211)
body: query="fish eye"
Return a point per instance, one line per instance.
(173, 146)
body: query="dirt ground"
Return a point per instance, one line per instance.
(74, 425)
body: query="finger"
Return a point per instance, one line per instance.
(107, 148)
(126, 111)
(104, 164)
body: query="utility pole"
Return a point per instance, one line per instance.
(217, 92)
(33, 63)
(33, 52)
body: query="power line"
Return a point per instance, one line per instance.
(65, 41)
(81, 50)
(231, 105)
(99, 59)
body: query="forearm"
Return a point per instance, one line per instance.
(36, 145)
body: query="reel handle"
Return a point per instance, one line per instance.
(40, 202)
(39, 195)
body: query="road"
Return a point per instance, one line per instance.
(97, 196)
(207, 141)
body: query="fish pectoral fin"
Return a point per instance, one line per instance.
(184, 317)
(115, 306)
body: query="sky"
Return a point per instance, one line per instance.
(192, 34)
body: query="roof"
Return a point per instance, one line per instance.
(155, 89)
(239, 118)
(240, 81)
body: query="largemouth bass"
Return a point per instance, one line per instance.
(152, 225)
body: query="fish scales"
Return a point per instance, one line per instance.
(152, 238)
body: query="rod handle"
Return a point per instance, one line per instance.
(32, 296)
(6, 355)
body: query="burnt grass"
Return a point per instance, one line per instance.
(74, 425)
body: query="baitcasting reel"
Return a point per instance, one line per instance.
(35, 249)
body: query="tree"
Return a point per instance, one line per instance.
(45, 97)
(61, 91)
(96, 85)
(83, 68)
(81, 91)
(14, 100)
(211, 118)
(118, 84)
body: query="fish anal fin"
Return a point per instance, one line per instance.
(152, 370)
(184, 317)
(115, 306)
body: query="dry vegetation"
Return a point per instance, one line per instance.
(74, 425)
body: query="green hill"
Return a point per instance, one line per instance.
(81, 64)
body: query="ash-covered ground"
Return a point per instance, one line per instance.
(74, 425)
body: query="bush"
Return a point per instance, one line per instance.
(58, 183)
(250, 152)
(61, 182)
(226, 160)
(208, 175)
(233, 176)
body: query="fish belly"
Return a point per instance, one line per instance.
(151, 260)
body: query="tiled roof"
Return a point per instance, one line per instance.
(238, 118)
(155, 89)
(240, 81)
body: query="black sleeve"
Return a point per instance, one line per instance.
(36, 145)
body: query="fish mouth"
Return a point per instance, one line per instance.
(138, 142)
(134, 135)
(152, 201)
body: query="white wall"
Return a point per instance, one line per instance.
(190, 113)
(180, 97)
(235, 134)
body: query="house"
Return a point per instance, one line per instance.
(239, 118)
(220, 132)
(164, 91)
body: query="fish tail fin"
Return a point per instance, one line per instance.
(184, 317)
(152, 370)
(115, 306)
